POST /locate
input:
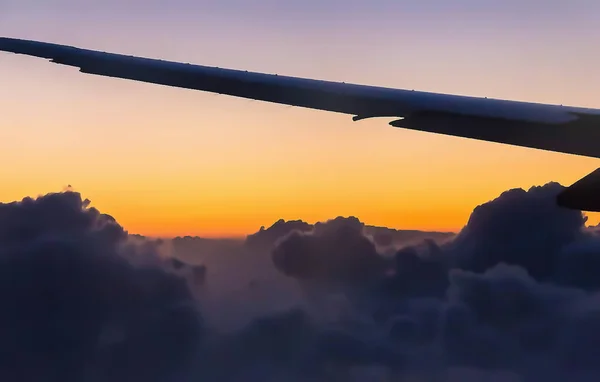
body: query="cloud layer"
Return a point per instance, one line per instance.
(513, 297)
(75, 308)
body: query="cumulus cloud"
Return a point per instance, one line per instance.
(513, 294)
(523, 228)
(336, 250)
(75, 308)
(513, 297)
(266, 238)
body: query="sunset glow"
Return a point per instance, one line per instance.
(167, 161)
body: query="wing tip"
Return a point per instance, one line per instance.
(33, 48)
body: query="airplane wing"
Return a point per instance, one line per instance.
(565, 129)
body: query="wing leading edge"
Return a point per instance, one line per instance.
(563, 129)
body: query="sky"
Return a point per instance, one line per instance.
(167, 161)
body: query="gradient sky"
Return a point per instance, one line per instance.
(167, 161)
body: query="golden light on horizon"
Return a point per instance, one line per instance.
(166, 161)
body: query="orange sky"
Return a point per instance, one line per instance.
(167, 161)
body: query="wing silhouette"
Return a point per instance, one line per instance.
(565, 129)
(549, 127)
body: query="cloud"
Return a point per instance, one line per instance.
(513, 297)
(523, 228)
(266, 238)
(74, 308)
(385, 237)
(336, 250)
